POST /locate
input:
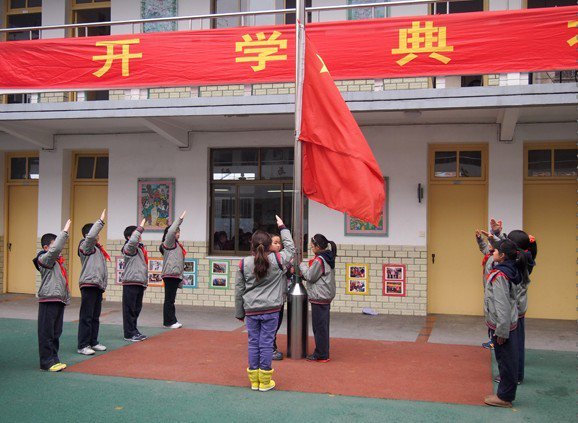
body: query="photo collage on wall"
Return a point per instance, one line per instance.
(119, 268)
(156, 271)
(219, 274)
(190, 274)
(394, 280)
(357, 279)
(155, 268)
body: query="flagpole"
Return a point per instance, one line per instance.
(297, 326)
(298, 155)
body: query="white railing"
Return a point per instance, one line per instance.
(213, 16)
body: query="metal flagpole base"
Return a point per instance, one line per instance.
(297, 326)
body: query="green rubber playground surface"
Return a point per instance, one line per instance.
(30, 395)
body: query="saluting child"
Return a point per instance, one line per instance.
(501, 315)
(173, 266)
(53, 295)
(93, 281)
(277, 246)
(259, 290)
(320, 276)
(526, 245)
(134, 281)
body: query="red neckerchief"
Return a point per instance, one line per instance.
(313, 259)
(60, 261)
(145, 253)
(182, 248)
(103, 251)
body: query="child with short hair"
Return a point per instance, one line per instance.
(259, 286)
(134, 281)
(173, 266)
(320, 276)
(53, 295)
(277, 246)
(501, 315)
(93, 282)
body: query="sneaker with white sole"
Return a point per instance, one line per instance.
(141, 337)
(85, 351)
(98, 347)
(135, 338)
(174, 326)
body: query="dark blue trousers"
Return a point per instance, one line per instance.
(132, 296)
(521, 347)
(507, 358)
(50, 318)
(320, 321)
(89, 318)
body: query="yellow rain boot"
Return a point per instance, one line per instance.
(254, 378)
(265, 381)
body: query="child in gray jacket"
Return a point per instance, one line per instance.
(134, 281)
(173, 266)
(259, 294)
(53, 296)
(320, 276)
(501, 315)
(93, 281)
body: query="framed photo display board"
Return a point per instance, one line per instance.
(394, 280)
(357, 227)
(155, 271)
(357, 279)
(190, 279)
(219, 274)
(119, 268)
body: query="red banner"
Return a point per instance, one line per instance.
(454, 44)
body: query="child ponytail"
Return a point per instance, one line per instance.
(260, 243)
(522, 265)
(533, 247)
(333, 247)
(161, 248)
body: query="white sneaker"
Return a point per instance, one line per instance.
(86, 351)
(98, 347)
(174, 326)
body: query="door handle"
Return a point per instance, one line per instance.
(433, 258)
(10, 247)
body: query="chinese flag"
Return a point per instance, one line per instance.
(339, 169)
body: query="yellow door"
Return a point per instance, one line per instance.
(88, 203)
(21, 238)
(550, 215)
(457, 206)
(454, 267)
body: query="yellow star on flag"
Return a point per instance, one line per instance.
(324, 68)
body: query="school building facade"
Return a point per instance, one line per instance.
(455, 150)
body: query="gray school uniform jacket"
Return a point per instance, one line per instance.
(94, 272)
(500, 296)
(173, 255)
(54, 285)
(500, 303)
(135, 264)
(522, 288)
(263, 296)
(320, 279)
